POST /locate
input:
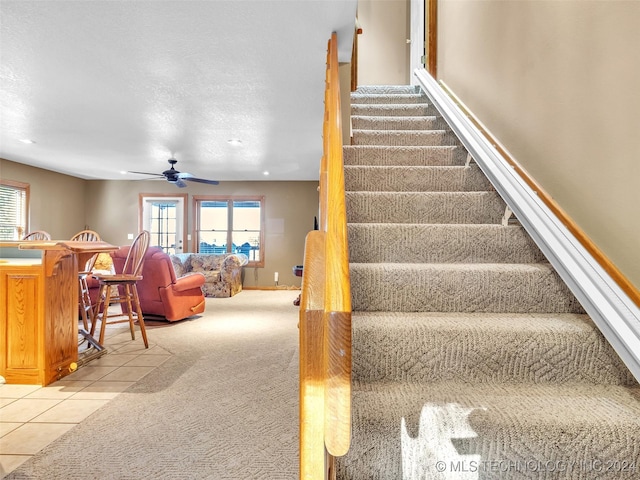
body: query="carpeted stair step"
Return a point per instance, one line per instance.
(493, 431)
(433, 243)
(415, 179)
(394, 110)
(424, 207)
(388, 89)
(404, 137)
(397, 123)
(433, 347)
(383, 98)
(404, 155)
(478, 287)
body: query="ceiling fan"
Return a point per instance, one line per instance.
(174, 176)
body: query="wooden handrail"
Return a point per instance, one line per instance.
(337, 303)
(312, 375)
(325, 305)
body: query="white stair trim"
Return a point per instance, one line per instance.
(610, 308)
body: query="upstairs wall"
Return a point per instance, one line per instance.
(557, 83)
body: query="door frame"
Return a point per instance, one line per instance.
(431, 37)
(180, 197)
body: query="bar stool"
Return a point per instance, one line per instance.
(86, 308)
(127, 291)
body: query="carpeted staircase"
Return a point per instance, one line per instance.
(471, 358)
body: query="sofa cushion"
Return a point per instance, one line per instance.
(203, 262)
(178, 265)
(210, 276)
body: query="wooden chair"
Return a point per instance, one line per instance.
(86, 308)
(127, 291)
(37, 235)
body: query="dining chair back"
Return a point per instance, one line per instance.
(87, 236)
(84, 298)
(37, 235)
(135, 258)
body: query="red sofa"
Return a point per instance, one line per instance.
(161, 293)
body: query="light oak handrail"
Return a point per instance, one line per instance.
(337, 303)
(325, 305)
(312, 375)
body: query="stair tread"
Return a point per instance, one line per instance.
(620, 403)
(402, 178)
(411, 428)
(444, 168)
(499, 405)
(357, 97)
(394, 109)
(425, 347)
(404, 137)
(403, 132)
(526, 321)
(409, 118)
(424, 194)
(369, 155)
(497, 267)
(449, 287)
(479, 207)
(388, 89)
(441, 243)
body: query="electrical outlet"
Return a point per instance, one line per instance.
(129, 236)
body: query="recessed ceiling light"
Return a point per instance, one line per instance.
(234, 141)
(123, 172)
(265, 173)
(27, 140)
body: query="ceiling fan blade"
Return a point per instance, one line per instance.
(180, 183)
(202, 180)
(147, 173)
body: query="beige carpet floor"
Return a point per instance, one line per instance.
(225, 406)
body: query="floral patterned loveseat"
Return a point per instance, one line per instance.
(222, 272)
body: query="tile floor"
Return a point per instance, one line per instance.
(32, 416)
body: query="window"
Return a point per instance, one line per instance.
(14, 209)
(230, 225)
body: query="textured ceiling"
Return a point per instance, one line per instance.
(109, 86)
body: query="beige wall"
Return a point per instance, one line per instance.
(557, 84)
(64, 205)
(383, 52)
(57, 201)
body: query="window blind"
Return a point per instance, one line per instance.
(13, 212)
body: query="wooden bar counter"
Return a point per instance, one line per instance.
(39, 308)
